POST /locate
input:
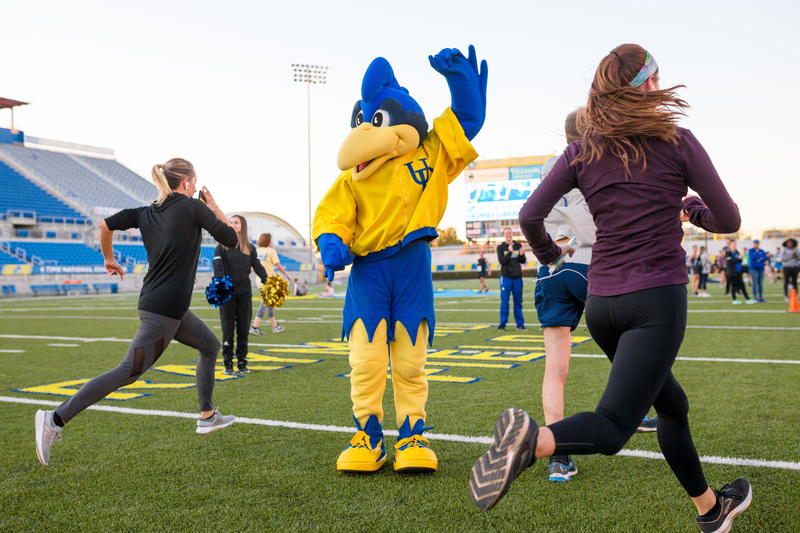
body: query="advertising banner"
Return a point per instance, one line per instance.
(498, 200)
(489, 174)
(525, 173)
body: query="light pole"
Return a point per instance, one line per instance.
(309, 74)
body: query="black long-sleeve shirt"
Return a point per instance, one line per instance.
(172, 233)
(237, 265)
(510, 264)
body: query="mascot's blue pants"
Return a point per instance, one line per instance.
(388, 313)
(509, 287)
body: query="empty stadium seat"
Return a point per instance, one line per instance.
(23, 197)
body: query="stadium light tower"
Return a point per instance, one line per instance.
(309, 74)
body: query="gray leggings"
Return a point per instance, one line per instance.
(152, 338)
(260, 312)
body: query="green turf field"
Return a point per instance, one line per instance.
(140, 466)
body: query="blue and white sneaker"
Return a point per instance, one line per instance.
(647, 424)
(562, 468)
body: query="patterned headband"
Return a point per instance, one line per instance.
(648, 69)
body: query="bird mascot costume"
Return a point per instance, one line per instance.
(379, 215)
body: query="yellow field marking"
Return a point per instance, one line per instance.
(501, 366)
(68, 388)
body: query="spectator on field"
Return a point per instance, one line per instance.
(299, 288)
(758, 260)
(705, 269)
(733, 270)
(270, 261)
(328, 290)
(777, 266)
(790, 258)
(483, 271)
(694, 269)
(511, 257)
(235, 314)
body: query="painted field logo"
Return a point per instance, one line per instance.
(143, 387)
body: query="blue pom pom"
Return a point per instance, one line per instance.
(219, 291)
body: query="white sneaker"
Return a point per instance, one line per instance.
(215, 422)
(46, 434)
(277, 329)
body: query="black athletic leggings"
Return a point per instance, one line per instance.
(641, 333)
(236, 314)
(151, 339)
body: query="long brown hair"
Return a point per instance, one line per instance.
(244, 245)
(621, 118)
(168, 177)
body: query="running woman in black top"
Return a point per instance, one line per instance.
(171, 231)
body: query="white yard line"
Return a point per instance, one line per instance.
(731, 461)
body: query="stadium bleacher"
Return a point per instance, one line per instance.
(142, 189)
(8, 259)
(56, 253)
(71, 178)
(23, 198)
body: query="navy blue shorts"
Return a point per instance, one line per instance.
(560, 299)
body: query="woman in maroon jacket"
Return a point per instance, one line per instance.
(633, 166)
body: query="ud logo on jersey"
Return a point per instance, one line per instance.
(422, 175)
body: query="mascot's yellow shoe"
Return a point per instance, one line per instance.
(412, 453)
(366, 452)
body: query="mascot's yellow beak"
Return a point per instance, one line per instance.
(368, 147)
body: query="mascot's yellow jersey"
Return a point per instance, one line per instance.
(407, 194)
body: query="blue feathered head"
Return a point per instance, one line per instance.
(387, 122)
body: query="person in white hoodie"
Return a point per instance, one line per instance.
(560, 297)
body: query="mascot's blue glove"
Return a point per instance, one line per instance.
(335, 255)
(467, 86)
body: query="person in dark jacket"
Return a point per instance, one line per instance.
(733, 270)
(634, 166)
(237, 262)
(511, 258)
(171, 230)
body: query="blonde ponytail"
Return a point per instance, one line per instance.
(168, 177)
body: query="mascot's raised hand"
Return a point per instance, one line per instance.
(334, 254)
(467, 86)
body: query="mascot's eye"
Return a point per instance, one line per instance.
(380, 119)
(359, 118)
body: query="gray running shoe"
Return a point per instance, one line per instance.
(256, 331)
(217, 421)
(562, 468)
(733, 498)
(277, 329)
(647, 425)
(512, 451)
(46, 434)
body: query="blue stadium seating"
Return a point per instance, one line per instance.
(8, 259)
(23, 198)
(138, 254)
(65, 174)
(58, 253)
(142, 189)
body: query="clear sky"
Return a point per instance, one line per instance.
(212, 82)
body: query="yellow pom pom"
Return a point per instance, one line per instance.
(274, 291)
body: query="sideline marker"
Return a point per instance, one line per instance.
(793, 307)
